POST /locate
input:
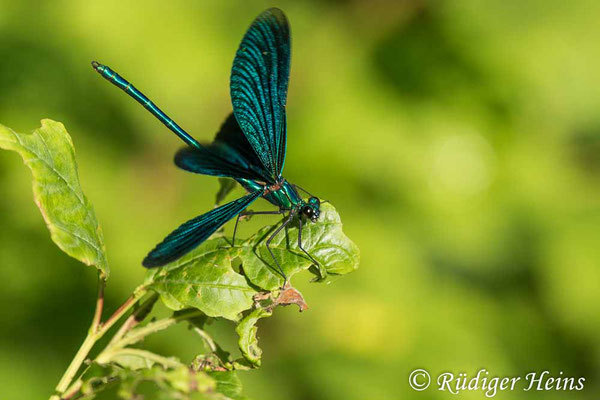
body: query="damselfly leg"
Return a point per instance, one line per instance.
(322, 272)
(249, 213)
(285, 223)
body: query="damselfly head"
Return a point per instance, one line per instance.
(312, 209)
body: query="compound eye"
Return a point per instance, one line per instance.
(316, 216)
(308, 211)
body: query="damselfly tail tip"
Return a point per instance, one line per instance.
(96, 65)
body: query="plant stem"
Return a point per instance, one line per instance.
(121, 339)
(95, 332)
(161, 324)
(207, 339)
(122, 310)
(87, 344)
(135, 318)
(69, 374)
(72, 391)
(138, 334)
(99, 304)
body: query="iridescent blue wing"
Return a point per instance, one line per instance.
(195, 231)
(259, 82)
(231, 145)
(231, 142)
(208, 163)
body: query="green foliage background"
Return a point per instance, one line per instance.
(459, 140)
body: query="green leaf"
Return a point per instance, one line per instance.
(248, 342)
(246, 329)
(226, 185)
(205, 278)
(178, 382)
(96, 379)
(142, 359)
(49, 154)
(175, 383)
(324, 240)
(228, 384)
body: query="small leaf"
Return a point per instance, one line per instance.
(49, 154)
(226, 185)
(187, 381)
(324, 240)
(142, 359)
(265, 303)
(178, 382)
(228, 384)
(96, 378)
(248, 342)
(204, 279)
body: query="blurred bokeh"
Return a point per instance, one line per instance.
(459, 140)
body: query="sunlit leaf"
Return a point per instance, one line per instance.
(179, 382)
(176, 383)
(324, 240)
(206, 279)
(246, 329)
(228, 384)
(248, 342)
(142, 359)
(49, 154)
